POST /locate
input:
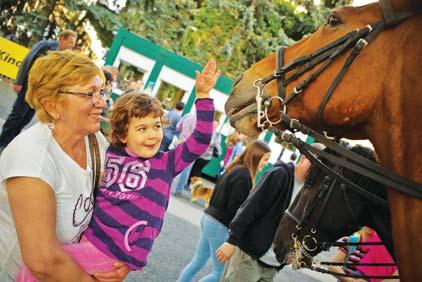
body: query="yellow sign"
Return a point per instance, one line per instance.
(11, 57)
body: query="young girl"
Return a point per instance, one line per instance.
(132, 199)
(230, 192)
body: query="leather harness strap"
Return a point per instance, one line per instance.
(94, 150)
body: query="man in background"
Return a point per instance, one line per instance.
(21, 113)
(170, 131)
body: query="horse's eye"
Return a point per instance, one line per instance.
(333, 21)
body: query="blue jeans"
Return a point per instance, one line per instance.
(165, 143)
(213, 235)
(183, 178)
(20, 116)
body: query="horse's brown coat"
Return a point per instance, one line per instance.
(380, 98)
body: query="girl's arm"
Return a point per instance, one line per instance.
(33, 206)
(198, 142)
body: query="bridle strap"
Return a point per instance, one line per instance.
(310, 153)
(388, 13)
(292, 216)
(330, 188)
(357, 163)
(280, 79)
(351, 275)
(352, 56)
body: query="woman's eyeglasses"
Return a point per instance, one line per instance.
(94, 95)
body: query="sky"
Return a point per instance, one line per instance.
(362, 2)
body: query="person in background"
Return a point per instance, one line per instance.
(185, 127)
(363, 254)
(213, 151)
(170, 131)
(47, 175)
(22, 113)
(237, 147)
(132, 199)
(108, 91)
(231, 190)
(301, 171)
(248, 249)
(230, 142)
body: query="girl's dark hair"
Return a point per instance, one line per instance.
(129, 106)
(250, 157)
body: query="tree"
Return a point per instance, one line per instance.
(236, 32)
(27, 22)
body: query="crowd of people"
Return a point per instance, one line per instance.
(76, 205)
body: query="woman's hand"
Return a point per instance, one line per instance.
(117, 275)
(225, 252)
(17, 88)
(206, 79)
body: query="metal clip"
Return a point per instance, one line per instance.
(295, 91)
(362, 43)
(294, 123)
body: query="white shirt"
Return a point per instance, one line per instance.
(35, 153)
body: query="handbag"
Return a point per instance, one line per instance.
(94, 150)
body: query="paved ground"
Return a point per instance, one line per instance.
(176, 244)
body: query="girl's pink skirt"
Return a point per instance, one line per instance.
(86, 255)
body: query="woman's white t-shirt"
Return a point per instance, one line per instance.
(35, 153)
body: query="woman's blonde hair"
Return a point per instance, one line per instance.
(53, 72)
(129, 106)
(250, 157)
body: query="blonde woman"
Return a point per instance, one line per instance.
(46, 173)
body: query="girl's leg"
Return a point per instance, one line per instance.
(199, 259)
(217, 235)
(86, 255)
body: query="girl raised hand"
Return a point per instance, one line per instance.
(206, 79)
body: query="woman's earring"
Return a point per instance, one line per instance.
(50, 125)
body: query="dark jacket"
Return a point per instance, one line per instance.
(230, 192)
(38, 49)
(254, 226)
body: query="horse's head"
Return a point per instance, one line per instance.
(324, 211)
(356, 97)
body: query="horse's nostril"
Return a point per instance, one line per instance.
(236, 81)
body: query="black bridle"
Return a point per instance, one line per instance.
(354, 41)
(310, 243)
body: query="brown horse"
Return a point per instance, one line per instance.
(379, 99)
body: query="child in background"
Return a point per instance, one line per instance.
(132, 199)
(363, 254)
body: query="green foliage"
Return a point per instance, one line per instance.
(26, 22)
(237, 33)
(104, 21)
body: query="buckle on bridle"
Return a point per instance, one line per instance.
(275, 74)
(295, 91)
(257, 83)
(362, 43)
